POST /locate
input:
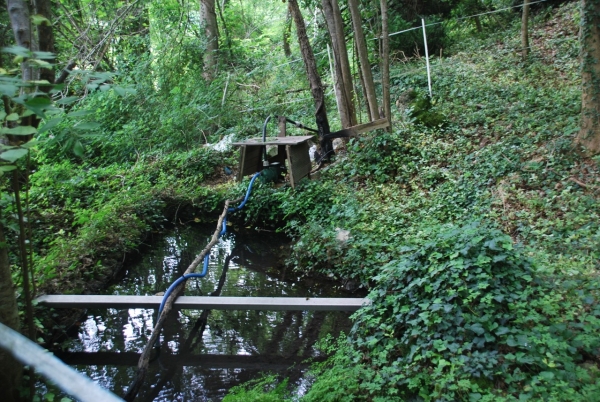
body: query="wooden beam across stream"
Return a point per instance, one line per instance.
(205, 302)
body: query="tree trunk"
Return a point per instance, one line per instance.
(223, 22)
(365, 66)
(18, 11)
(287, 32)
(478, 24)
(211, 30)
(338, 84)
(385, 63)
(589, 134)
(11, 372)
(46, 40)
(343, 79)
(525, 30)
(316, 87)
(344, 61)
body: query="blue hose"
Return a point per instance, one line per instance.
(207, 256)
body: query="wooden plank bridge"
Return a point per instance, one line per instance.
(205, 302)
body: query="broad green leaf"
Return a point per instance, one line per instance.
(19, 130)
(68, 100)
(119, 90)
(12, 117)
(30, 144)
(89, 125)
(38, 54)
(8, 89)
(38, 105)
(78, 149)
(40, 82)
(17, 50)
(7, 168)
(2, 115)
(13, 154)
(40, 63)
(50, 124)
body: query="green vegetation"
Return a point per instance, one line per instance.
(474, 224)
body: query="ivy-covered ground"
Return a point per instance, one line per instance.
(478, 238)
(477, 235)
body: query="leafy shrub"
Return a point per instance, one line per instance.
(461, 315)
(266, 389)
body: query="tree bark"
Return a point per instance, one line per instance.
(316, 87)
(525, 30)
(45, 41)
(20, 20)
(385, 63)
(211, 30)
(11, 373)
(287, 32)
(365, 66)
(589, 133)
(343, 79)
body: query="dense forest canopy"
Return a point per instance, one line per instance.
(473, 219)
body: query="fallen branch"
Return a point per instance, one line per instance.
(144, 361)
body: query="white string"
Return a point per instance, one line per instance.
(462, 18)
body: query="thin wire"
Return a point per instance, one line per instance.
(463, 18)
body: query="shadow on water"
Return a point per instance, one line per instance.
(204, 353)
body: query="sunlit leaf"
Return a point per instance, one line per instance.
(38, 19)
(40, 63)
(12, 117)
(7, 168)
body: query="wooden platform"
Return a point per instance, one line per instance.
(291, 150)
(205, 302)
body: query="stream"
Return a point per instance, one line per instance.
(202, 355)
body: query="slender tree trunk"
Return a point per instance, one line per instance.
(385, 63)
(478, 24)
(11, 372)
(525, 30)
(211, 30)
(338, 84)
(589, 134)
(344, 61)
(287, 32)
(46, 40)
(365, 66)
(223, 22)
(20, 20)
(316, 87)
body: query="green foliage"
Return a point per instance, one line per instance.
(266, 389)
(462, 314)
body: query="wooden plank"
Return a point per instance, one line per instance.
(209, 361)
(250, 162)
(204, 302)
(290, 140)
(299, 162)
(373, 125)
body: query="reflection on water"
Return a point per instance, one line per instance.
(203, 354)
